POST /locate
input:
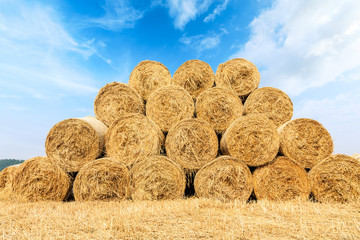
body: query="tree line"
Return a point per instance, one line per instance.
(8, 162)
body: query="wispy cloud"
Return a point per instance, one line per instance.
(305, 44)
(201, 42)
(217, 11)
(119, 14)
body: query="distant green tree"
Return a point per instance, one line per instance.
(8, 162)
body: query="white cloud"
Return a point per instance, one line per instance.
(201, 42)
(305, 43)
(186, 10)
(119, 14)
(217, 11)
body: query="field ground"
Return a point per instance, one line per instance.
(180, 219)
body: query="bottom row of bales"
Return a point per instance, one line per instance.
(335, 179)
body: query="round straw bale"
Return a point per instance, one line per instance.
(157, 178)
(219, 107)
(103, 179)
(133, 136)
(6, 176)
(272, 102)
(305, 141)
(192, 143)
(225, 178)
(239, 74)
(148, 76)
(195, 76)
(169, 105)
(39, 179)
(116, 99)
(281, 179)
(74, 142)
(252, 138)
(336, 179)
(356, 156)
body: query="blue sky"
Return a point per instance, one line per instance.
(55, 56)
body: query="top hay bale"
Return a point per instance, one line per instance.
(39, 179)
(195, 76)
(305, 141)
(336, 179)
(148, 76)
(74, 142)
(219, 107)
(116, 99)
(272, 102)
(239, 74)
(133, 136)
(252, 138)
(169, 105)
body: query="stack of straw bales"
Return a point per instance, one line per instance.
(157, 136)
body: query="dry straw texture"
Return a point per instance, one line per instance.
(239, 74)
(116, 99)
(6, 176)
(305, 141)
(169, 105)
(157, 178)
(103, 179)
(195, 76)
(39, 179)
(148, 76)
(74, 142)
(219, 107)
(192, 143)
(225, 178)
(252, 138)
(357, 156)
(281, 179)
(272, 102)
(336, 179)
(133, 136)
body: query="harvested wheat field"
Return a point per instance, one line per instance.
(181, 219)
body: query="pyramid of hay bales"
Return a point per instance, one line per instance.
(218, 135)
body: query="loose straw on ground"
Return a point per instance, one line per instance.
(157, 178)
(39, 179)
(272, 102)
(133, 136)
(225, 178)
(219, 107)
(74, 142)
(103, 179)
(252, 138)
(195, 76)
(305, 141)
(169, 105)
(281, 179)
(116, 99)
(238, 74)
(148, 76)
(336, 179)
(192, 143)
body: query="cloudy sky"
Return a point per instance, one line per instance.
(55, 55)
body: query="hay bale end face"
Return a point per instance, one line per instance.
(238, 74)
(305, 141)
(252, 138)
(149, 76)
(225, 178)
(336, 179)
(103, 179)
(281, 179)
(74, 142)
(6, 176)
(192, 143)
(39, 179)
(116, 99)
(219, 107)
(157, 178)
(169, 105)
(195, 76)
(272, 102)
(133, 136)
